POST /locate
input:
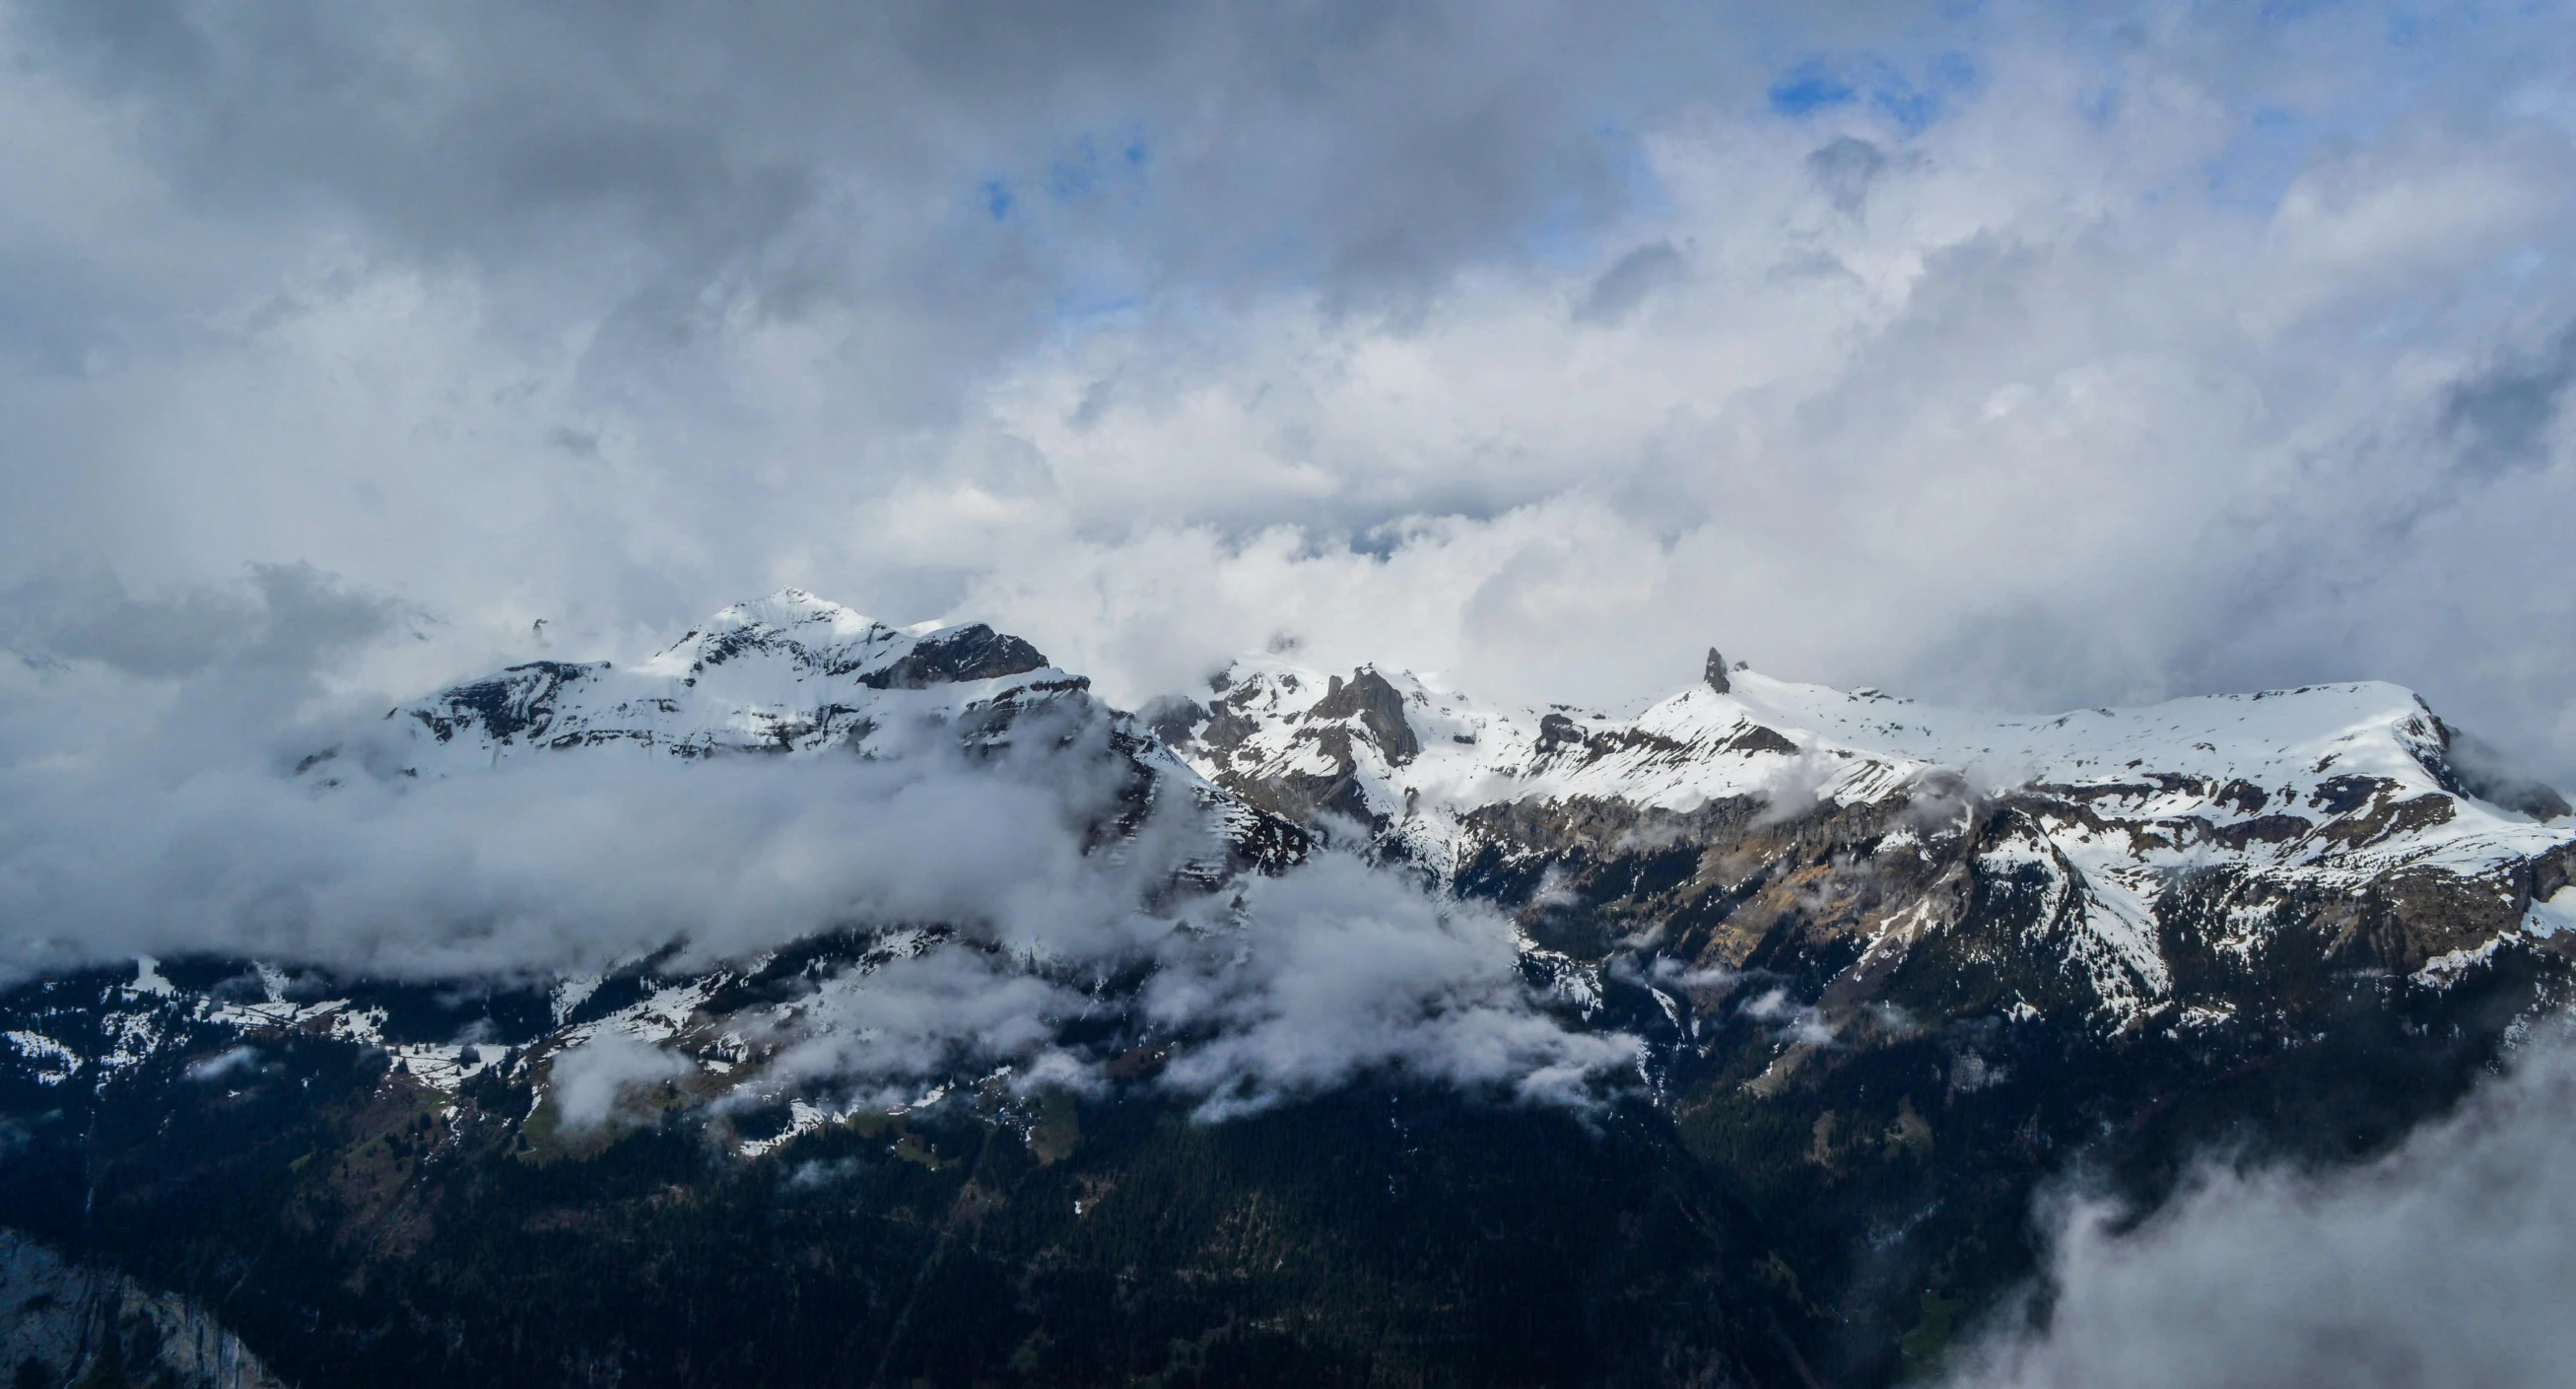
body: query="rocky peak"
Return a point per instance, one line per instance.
(975, 652)
(1715, 672)
(1378, 706)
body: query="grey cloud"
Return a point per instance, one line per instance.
(2500, 418)
(2445, 1262)
(1845, 168)
(1395, 140)
(376, 263)
(1629, 282)
(290, 617)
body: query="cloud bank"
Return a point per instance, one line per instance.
(149, 805)
(2445, 1262)
(2010, 354)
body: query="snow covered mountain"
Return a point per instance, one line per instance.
(2164, 867)
(2115, 842)
(1868, 969)
(795, 676)
(790, 673)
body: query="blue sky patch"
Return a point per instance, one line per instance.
(1809, 89)
(1911, 102)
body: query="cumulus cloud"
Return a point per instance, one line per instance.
(2000, 354)
(2445, 1262)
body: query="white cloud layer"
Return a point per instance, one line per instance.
(2446, 1262)
(2016, 354)
(588, 1080)
(147, 808)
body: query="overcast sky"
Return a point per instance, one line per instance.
(2040, 355)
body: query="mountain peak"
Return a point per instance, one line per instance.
(786, 673)
(792, 607)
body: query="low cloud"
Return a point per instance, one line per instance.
(1283, 988)
(159, 812)
(1340, 969)
(224, 1064)
(590, 1079)
(2445, 1262)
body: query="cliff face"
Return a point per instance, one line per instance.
(64, 1323)
(2140, 870)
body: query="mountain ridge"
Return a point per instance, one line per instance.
(1856, 974)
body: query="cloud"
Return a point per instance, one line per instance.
(588, 1080)
(224, 1064)
(2502, 415)
(151, 805)
(2068, 361)
(1339, 970)
(2015, 357)
(136, 823)
(1629, 282)
(2444, 1262)
(880, 1039)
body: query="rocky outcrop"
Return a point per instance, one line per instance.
(63, 1323)
(1377, 706)
(959, 654)
(2339, 822)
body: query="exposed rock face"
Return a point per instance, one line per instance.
(1909, 936)
(2243, 833)
(958, 654)
(63, 1323)
(1326, 757)
(1377, 707)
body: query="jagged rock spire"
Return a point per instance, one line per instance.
(1716, 673)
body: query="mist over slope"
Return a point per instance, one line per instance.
(2439, 1262)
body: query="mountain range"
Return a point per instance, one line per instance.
(1727, 1040)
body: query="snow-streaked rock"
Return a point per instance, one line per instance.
(789, 674)
(2324, 790)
